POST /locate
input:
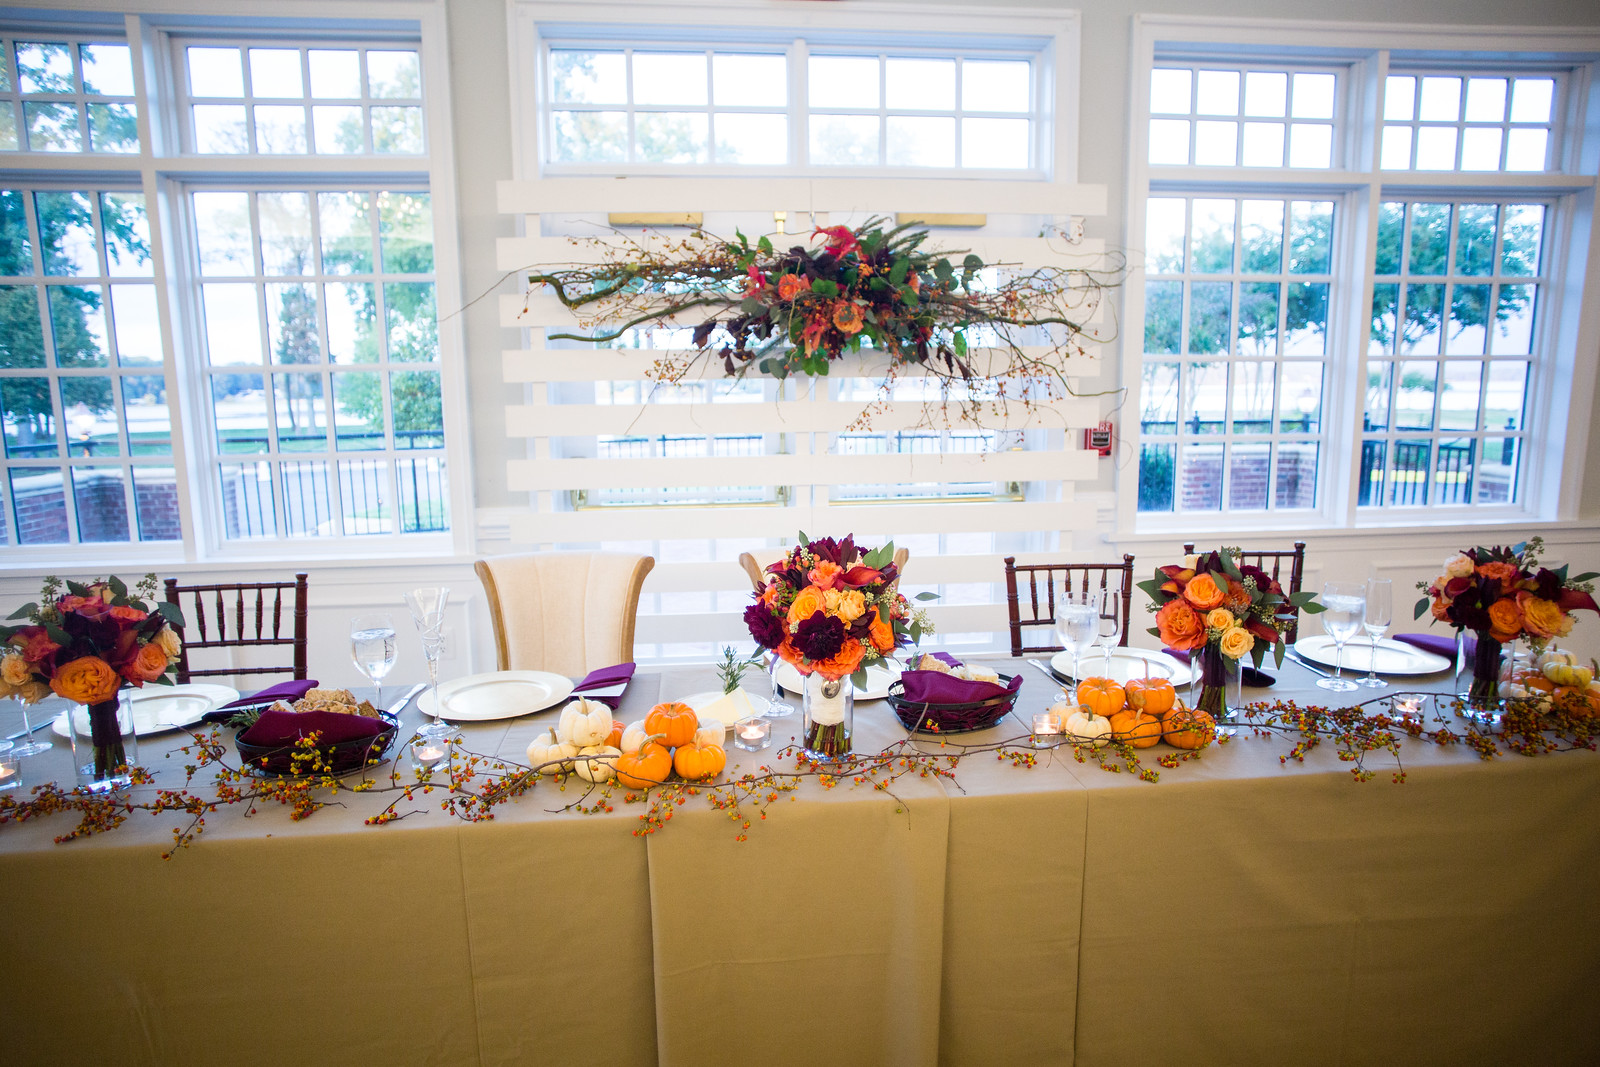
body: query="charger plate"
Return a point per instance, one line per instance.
(1393, 657)
(159, 708)
(497, 695)
(1126, 663)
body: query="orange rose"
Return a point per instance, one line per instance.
(86, 680)
(148, 664)
(847, 317)
(1219, 619)
(1504, 573)
(1180, 627)
(792, 285)
(128, 614)
(1543, 618)
(1439, 608)
(1505, 618)
(843, 663)
(881, 633)
(825, 575)
(1236, 599)
(807, 602)
(1203, 592)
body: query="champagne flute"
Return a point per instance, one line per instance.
(1077, 623)
(777, 707)
(1110, 620)
(1379, 615)
(427, 605)
(373, 647)
(1346, 604)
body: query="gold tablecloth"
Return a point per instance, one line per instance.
(1238, 911)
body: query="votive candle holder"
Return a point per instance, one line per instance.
(752, 734)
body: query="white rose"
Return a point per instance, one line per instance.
(14, 669)
(1190, 562)
(168, 641)
(1461, 566)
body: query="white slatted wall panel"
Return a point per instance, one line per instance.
(696, 592)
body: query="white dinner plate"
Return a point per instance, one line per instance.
(878, 678)
(1126, 663)
(497, 695)
(159, 708)
(1394, 657)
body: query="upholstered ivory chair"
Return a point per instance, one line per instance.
(566, 612)
(755, 563)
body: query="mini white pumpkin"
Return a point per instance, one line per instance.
(1084, 727)
(545, 749)
(1568, 674)
(601, 767)
(1554, 655)
(584, 722)
(712, 732)
(634, 737)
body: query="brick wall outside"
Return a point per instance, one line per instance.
(41, 510)
(1200, 480)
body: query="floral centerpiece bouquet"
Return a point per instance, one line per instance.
(831, 611)
(1502, 594)
(87, 644)
(1222, 610)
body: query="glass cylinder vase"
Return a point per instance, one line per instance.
(1213, 679)
(1484, 692)
(828, 709)
(104, 743)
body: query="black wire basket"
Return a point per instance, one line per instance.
(341, 757)
(951, 718)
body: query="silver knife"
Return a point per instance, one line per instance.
(1307, 664)
(398, 706)
(1050, 674)
(33, 728)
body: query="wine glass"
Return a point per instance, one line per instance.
(1379, 614)
(427, 605)
(1346, 604)
(777, 707)
(1077, 624)
(373, 646)
(26, 745)
(1109, 615)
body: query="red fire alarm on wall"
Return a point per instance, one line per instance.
(1098, 439)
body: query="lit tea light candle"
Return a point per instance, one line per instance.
(428, 756)
(1046, 729)
(1408, 703)
(752, 735)
(10, 769)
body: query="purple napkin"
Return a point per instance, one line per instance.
(1253, 678)
(934, 687)
(288, 692)
(275, 729)
(606, 684)
(1439, 644)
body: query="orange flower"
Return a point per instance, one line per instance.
(881, 633)
(792, 285)
(1505, 619)
(847, 317)
(807, 602)
(825, 575)
(1504, 573)
(1203, 592)
(148, 664)
(1439, 609)
(86, 680)
(1180, 627)
(1236, 599)
(1543, 618)
(844, 662)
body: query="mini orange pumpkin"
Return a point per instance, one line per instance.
(1140, 729)
(698, 760)
(1190, 728)
(1576, 701)
(649, 766)
(614, 738)
(675, 722)
(1105, 696)
(1153, 696)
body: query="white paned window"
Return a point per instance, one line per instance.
(306, 99)
(762, 107)
(1362, 333)
(1213, 115)
(64, 94)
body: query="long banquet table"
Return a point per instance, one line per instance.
(1241, 910)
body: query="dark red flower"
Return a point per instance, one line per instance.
(820, 637)
(764, 626)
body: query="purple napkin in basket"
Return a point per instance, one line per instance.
(1439, 644)
(606, 684)
(275, 729)
(933, 687)
(288, 692)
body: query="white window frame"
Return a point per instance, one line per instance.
(164, 170)
(1560, 399)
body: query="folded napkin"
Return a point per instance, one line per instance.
(275, 729)
(1440, 644)
(606, 684)
(289, 691)
(1253, 678)
(936, 687)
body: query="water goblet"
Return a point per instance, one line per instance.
(1109, 616)
(427, 606)
(1077, 623)
(1346, 604)
(373, 647)
(777, 707)
(1379, 615)
(26, 745)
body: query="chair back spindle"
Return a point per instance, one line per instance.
(1043, 579)
(213, 628)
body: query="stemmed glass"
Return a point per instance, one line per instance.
(777, 707)
(1379, 614)
(1077, 624)
(1346, 604)
(26, 745)
(427, 611)
(373, 646)
(1109, 631)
